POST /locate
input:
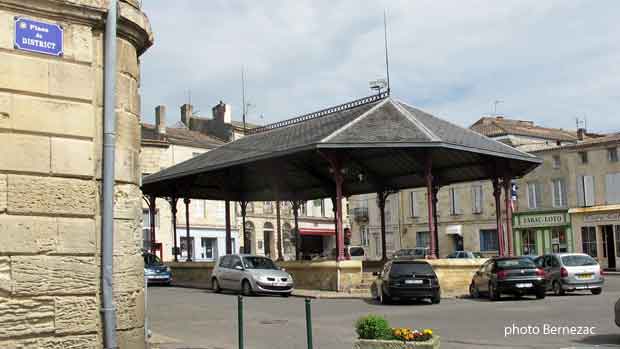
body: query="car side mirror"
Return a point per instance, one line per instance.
(375, 273)
(238, 267)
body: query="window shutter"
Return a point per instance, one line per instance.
(539, 196)
(588, 182)
(612, 188)
(531, 196)
(457, 202)
(413, 203)
(580, 192)
(563, 191)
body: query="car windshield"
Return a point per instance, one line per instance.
(409, 252)
(478, 255)
(401, 269)
(517, 263)
(259, 263)
(151, 259)
(578, 260)
(356, 251)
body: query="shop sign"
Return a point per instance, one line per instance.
(37, 36)
(600, 217)
(542, 220)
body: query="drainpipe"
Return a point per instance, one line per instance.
(109, 140)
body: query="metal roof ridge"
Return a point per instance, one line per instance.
(354, 121)
(316, 114)
(474, 132)
(416, 122)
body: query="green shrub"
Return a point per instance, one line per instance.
(373, 327)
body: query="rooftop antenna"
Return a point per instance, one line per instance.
(495, 103)
(243, 98)
(385, 39)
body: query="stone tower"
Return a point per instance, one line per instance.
(51, 111)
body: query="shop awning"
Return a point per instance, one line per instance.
(316, 232)
(454, 230)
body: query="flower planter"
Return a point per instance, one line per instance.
(383, 344)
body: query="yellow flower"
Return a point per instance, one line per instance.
(428, 331)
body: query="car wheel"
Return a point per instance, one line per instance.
(383, 299)
(215, 285)
(596, 290)
(285, 295)
(436, 298)
(541, 293)
(246, 288)
(493, 294)
(473, 291)
(557, 289)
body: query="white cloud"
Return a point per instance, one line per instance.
(549, 61)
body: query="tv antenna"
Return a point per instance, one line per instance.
(495, 103)
(387, 61)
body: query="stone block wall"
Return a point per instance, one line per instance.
(50, 164)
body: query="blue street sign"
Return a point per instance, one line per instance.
(35, 36)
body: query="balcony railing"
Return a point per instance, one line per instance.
(359, 214)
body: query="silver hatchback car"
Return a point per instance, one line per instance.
(566, 272)
(250, 274)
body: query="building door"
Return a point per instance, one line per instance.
(209, 248)
(267, 242)
(528, 239)
(608, 241)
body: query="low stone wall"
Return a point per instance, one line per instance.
(192, 272)
(455, 275)
(325, 275)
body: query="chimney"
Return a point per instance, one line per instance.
(186, 114)
(581, 132)
(160, 119)
(222, 113)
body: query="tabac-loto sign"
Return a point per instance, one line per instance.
(40, 37)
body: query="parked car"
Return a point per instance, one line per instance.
(406, 279)
(508, 275)
(155, 271)
(465, 254)
(412, 253)
(566, 272)
(250, 275)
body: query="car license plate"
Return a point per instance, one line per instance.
(413, 282)
(584, 276)
(524, 285)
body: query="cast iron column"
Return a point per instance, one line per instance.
(228, 233)
(187, 239)
(335, 165)
(429, 204)
(297, 235)
(173, 207)
(381, 198)
(497, 193)
(435, 220)
(246, 243)
(152, 212)
(279, 232)
(508, 199)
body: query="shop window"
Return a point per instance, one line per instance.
(477, 196)
(534, 195)
(588, 241)
(558, 240)
(585, 191)
(612, 188)
(583, 156)
(488, 240)
(528, 238)
(423, 239)
(559, 192)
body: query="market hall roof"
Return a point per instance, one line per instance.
(382, 142)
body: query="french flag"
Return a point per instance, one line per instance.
(513, 196)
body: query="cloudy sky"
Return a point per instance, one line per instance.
(548, 61)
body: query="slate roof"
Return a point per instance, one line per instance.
(381, 139)
(609, 140)
(179, 136)
(501, 126)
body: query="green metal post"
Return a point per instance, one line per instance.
(309, 323)
(240, 320)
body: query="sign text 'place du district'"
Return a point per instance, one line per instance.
(40, 37)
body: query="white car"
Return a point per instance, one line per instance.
(250, 274)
